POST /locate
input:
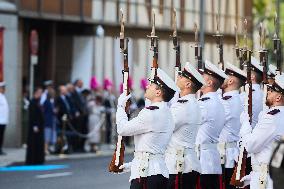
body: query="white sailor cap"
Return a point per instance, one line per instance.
(235, 71)
(2, 84)
(47, 83)
(278, 84)
(271, 72)
(255, 65)
(191, 73)
(213, 70)
(163, 80)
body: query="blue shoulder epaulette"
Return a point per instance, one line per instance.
(152, 107)
(273, 112)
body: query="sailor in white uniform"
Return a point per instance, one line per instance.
(259, 140)
(213, 120)
(233, 108)
(152, 130)
(181, 159)
(257, 93)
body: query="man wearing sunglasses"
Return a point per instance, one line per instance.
(152, 129)
(259, 140)
(181, 159)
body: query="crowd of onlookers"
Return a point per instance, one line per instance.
(68, 118)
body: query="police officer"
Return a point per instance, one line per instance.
(213, 119)
(233, 108)
(259, 140)
(152, 129)
(181, 159)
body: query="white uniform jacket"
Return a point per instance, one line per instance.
(230, 133)
(4, 110)
(213, 119)
(187, 117)
(152, 130)
(259, 142)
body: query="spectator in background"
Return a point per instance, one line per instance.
(81, 120)
(109, 105)
(25, 116)
(96, 110)
(4, 114)
(141, 100)
(64, 107)
(49, 112)
(35, 149)
(48, 85)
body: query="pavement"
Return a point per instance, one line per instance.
(17, 155)
(84, 172)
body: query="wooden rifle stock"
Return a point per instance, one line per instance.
(118, 156)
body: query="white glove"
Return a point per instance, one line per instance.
(246, 179)
(126, 167)
(121, 102)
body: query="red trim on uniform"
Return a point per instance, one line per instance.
(176, 182)
(198, 186)
(222, 186)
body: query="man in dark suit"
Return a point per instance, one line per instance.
(64, 109)
(81, 119)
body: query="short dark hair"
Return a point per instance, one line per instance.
(217, 83)
(258, 77)
(167, 93)
(195, 87)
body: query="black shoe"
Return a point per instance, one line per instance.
(2, 153)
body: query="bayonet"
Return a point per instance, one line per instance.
(176, 43)
(219, 41)
(154, 47)
(198, 49)
(277, 46)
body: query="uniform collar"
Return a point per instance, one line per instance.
(256, 86)
(159, 104)
(210, 94)
(231, 93)
(281, 108)
(187, 97)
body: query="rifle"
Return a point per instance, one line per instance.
(277, 46)
(118, 156)
(240, 168)
(154, 47)
(263, 56)
(198, 49)
(219, 41)
(176, 42)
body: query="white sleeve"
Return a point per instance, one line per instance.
(227, 108)
(261, 135)
(177, 111)
(138, 125)
(203, 111)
